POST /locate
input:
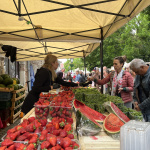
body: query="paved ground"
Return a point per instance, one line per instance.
(3, 131)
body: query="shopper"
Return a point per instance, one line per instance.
(141, 94)
(44, 79)
(122, 82)
(69, 77)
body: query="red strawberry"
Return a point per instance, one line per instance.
(36, 123)
(60, 141)
(18, 127)
(20, 145)
(43, 122)
(63, 133)
(68, 127)
(71, 136)
(38, 130)
(69, 148)
(33, 139)
(3, 147)
(69, 120)
(45, 144)
(11, 130)
(58, 147)
(44, 132)
(12, 147)
(31, 146)
(53, 115)
(42, 137)
(13, 135)
(31, 119)
(61, 124)
(56, 132)
(53, 140)
(67, 142)
(75, 145)
(22, 130)
(30, 128)
(7, 142)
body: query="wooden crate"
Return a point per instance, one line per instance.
(6, 89)
(14, 116)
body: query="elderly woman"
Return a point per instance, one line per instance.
(122, 82)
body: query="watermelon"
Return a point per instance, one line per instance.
(88, 112)
(112, 123)
(112, 108)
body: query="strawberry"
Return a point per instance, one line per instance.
(45, 144)
(31, 119)
(20, 145)
(75, 145)
(13, 135)
(22, 130)
(3, 147)
(30, 128)
(68, 127)
(71, 136)
(12, 147)
(51, 112)
(44, 132)
(42, 138)
(56, 125)
(53, 115)
(53, 140)
(67, 142)
(7, 142)
(63, 133)
(31, 146)
(58, 147)
(11, 130)
(69, 148)
(36, 123)
(33, 139)
(69, 120)
(37, 130)
(18, 127)
(56, 132)
(61, 124)
(60, 141)
(43, 122)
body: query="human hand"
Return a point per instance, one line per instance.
(90, 78)
(120, 89)
(135, 104)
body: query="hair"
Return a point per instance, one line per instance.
(137, 63)
(120, 58)
(49, 59)
(124, 57)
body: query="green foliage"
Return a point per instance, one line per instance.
(132, 40)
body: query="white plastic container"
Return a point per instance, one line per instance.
(135, 135)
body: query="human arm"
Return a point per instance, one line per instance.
(64, 83)
(103, 81)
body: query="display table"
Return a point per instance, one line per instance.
(99, 142)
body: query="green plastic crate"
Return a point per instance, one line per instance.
(5, 104)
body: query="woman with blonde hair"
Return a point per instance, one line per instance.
(44, 79)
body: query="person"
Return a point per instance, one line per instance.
(60, 74)
(122, 82)
(82, 77)
(97, 76)
(44, 80)
(141, 94)
(77, 76)
(69, 77)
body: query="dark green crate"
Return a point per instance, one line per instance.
(5, 104)
(5, 96)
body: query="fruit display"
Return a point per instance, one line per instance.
(60, 109)
(112, 108)
(7, 82)
(112, 123)
(41, 108)
(88, 111)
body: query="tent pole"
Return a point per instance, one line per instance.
(84, 63)
(101, 58)
(19, 7)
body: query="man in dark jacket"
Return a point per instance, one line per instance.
(141, 87)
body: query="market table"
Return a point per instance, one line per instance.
(100, 142)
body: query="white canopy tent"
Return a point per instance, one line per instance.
(68, 28)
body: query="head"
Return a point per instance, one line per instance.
(97, 70)
(63, 69)
(68, 73)
(106, 72)
(139, 66)
(104, 68)
(118, 63)
(77, 72)
(80, 72)
(51, 63)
